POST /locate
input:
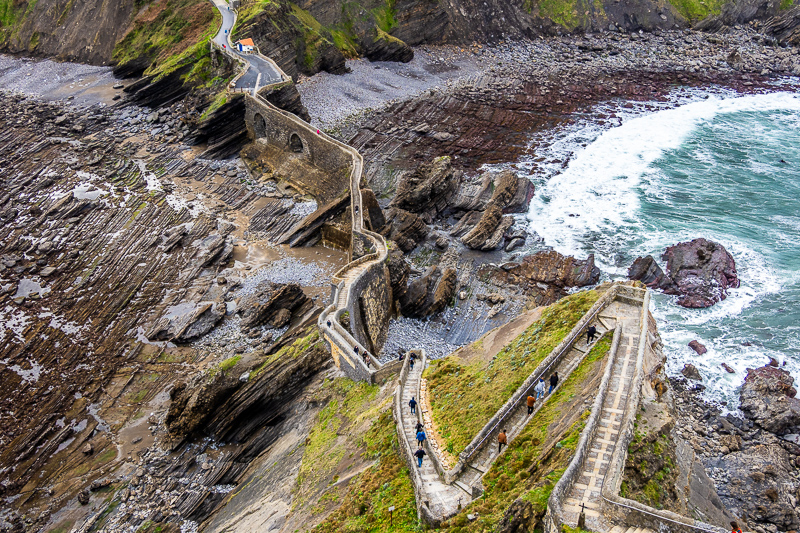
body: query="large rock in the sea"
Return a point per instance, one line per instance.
(430, 293)
(698, 347)
(552, 268)
(701, 271)
(768, 398)
(265, 304)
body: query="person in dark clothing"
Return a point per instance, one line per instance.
(413, 404)
(329, 323)
(420, 437)
(531, 402)
(502, 440)
(400, 358)
(590, 333)
(419, 454)
(553, 382)
(355, 349)
(419, 427)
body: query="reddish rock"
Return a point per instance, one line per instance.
(552, 268)
(697, 347)
(701, 271)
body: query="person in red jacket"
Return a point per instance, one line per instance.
(735, 527)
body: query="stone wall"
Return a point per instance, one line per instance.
(370, 307)
(287, 132)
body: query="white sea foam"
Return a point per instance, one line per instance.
(602, 182)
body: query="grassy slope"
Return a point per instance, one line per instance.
(172, 34)
(355, 426)
(464, 396)
(537, 458)
(696, 10)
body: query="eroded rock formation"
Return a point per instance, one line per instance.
(768, 398)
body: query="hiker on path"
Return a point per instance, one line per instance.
(400, 358)
(419, 427)
(553, 382)
(419, 454)
(735, 527)
(413, 404)
(502, 440)
(420, 437)
(531, 402)
(411, 362)
(539, 389)
(590, 333)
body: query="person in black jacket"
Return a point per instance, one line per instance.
(419, 454)
(590, 333)
(553, 382)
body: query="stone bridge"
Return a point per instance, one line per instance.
(355, 323)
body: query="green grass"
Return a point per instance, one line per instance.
(219, 101)
(224, 366)
(350, 404)
(695, 10)
(386, 16)
(785, 4)
(365, 506)
(291, 351)
(531, 467)
(465, 396)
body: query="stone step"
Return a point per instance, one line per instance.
(463, 486)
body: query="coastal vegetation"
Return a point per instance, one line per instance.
(465, 394)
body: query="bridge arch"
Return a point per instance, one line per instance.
(296, 143)
(259, 126)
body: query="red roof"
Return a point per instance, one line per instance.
(247, 42)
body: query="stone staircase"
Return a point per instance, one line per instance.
(586, 491)
(622, 529)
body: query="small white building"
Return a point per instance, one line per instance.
(245, 45)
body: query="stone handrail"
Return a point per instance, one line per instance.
(423, 512)
(624, 510)
(575, 467)
(338, 335)
(555, 356)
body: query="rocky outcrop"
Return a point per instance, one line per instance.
(270, 303)
(550, 268)
(430, 293)
(399, 271)
(287, 98)
(700, 272)
(188, 321)
(428, 189)
(697, 347)
(405, 228)
(380, 46)
(785, 27)
(768, 398)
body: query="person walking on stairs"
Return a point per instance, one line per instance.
(553, 382)
(735, 527)
(502, 440)
(411, 359)
(420, 427)
(420, 437)
(539, 389)
(590, 333)
(413, 404)
(419, 454)
(531, 401)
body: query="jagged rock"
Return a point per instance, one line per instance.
(380, 46)
(552, 268)
(281, 318)
(646, 270)
(287, 98)
(728, 368)
(405, 228)
(399, 270)
(430, 293)
(785, 27)
(83, 497)
(87, 449)
(373, 214)
(768, 398)
(484, 235)
(187, 321)
(442, 243)
(697, 347)
(427, 189)
(270, 303)
(690, 371)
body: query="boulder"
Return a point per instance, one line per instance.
(768, 398)
(405, 228)
(701, 271)
(552, 268)
(690, 372)
(428, 188)
(646, 270)
(430, 293)
(270, 303)
(187, 321)
(697, 347)
(520, 517)
(489, 231)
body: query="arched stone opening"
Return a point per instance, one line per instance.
(260, 126)
(295, 144)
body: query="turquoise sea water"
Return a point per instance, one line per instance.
(722, 167)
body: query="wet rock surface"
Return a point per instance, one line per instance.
(700, 272)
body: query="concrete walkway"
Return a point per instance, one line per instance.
(587, 490)
(443, 499)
